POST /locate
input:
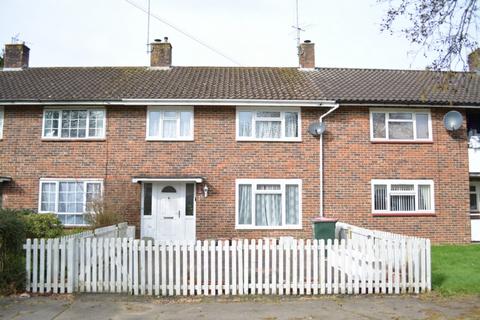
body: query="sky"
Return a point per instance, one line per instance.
(346, 33)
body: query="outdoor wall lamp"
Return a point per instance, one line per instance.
(205, 191)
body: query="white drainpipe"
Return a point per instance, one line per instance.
(335, 107)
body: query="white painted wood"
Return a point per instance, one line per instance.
(28, 267)
(259, 270)
(219, 284)
(428, 265)
(403, 266)
(191, 268)
(125, 265)
(56, 264)
(88, 254)
(281, 269)
(163, 252)
(42, 247)
(329, 258)
(315, 250)
(198, 250)
(135, 271)
(71, 263)
(253, 266)
(184, 264)
(423, 267)
(94, 265)
(112, 264)
(176, 246)
(308, 262)
(266, 268)
(243, 276)
(236, 251)
(288, 261)
(396, 253)
(301, 267)
(205, 268)
(295, 267)
(322, 267)
(170, 270)
(274, 274)
(341, 269)
(149, 268)
(212, 268)
(226, 258)
(335, 263)
(390, 265)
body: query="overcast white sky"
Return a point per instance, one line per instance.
(253, 32)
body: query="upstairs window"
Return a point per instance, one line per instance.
(268, 124)
(400, 125)
(268, 204)
(402, 196)
(1, 122)
(69, 199)
(74, 124)
(168, 123)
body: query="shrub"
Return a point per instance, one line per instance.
(105, 213)
(43, 226)
(12, 261)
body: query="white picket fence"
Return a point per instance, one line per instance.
(230, 267)
(121, 230)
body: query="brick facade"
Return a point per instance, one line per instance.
(351, 160)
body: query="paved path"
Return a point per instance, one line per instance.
(95, 306)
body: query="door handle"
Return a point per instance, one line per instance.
(178, 214)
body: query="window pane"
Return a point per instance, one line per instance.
(400, 130)
(402, 187)
(268, 114)
(268, 129)
(245, 204)
(96, 123)
(169, 129)
(185, 119)
(422, 126)
(94, 191)
(268, 210)
(291, 124)
(48, 197)
(245, 124)
(292, 209)
(401, 115)
(402, 203)
(154, 124)
(74, 123)
(51, 123)
(378, 125)
(170, 114)
(473, 202)
(473, 188)
(71, 197)
(268, 187)
(189, 199)
(147, 199)
(424, 197)
(380, 197)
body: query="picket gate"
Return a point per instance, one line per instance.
(228, 267)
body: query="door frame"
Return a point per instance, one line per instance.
(154, 218)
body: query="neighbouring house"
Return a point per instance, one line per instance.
(226, 152)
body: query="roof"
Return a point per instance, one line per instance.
(250, 83)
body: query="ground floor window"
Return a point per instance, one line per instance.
(268, 203)
(69, 198)
(402, 196)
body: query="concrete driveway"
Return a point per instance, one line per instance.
(104, 306)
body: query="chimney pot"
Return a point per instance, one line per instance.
(474, 61)
(161, 53)
(16, 56)
(306, 55)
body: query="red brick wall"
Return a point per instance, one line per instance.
(351, 160)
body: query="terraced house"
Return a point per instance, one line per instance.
(226, 152)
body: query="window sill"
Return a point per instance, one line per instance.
(74, 140)
(405, 214)
(401, 142)
(170, 140)
(266, 140)
(268, 228)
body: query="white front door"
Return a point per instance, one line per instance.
(168, 211)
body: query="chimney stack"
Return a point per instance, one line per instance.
(474, 61)
(161, 53)
(16, 56)
(306, 55)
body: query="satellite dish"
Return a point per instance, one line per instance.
(316, 128)
(452, 120)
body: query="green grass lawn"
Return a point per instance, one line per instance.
(456, 269)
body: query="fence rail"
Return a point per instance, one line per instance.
(231, 267)
(120, 230)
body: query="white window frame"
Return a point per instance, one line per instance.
(282, 111)
(282, 183)
(60, 110)
(416, 183)
(414, 120)
(477, 192)
(177, 109)
(57, 195)
(2, 121)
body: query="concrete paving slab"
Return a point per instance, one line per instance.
(109, 306)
